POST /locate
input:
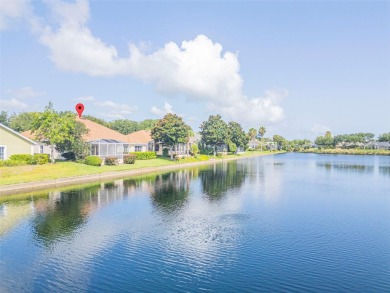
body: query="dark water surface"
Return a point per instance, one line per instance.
(291, 223)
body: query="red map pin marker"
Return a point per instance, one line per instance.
(80, 109)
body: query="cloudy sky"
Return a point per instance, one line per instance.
(297, 67)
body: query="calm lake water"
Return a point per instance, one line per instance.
(291, 222)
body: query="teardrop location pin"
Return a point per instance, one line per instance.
(80, 109)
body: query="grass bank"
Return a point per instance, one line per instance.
(60, 170)
(348, 151)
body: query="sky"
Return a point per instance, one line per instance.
(299, 68)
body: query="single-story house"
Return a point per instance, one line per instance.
(141, 141)
(378, 145)
(12, 143)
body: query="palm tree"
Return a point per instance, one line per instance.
(262, 131)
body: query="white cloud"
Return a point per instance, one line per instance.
(318, 129)
(25, 93)
(161, 112)
(11, 10)
(85, 99)
(197, 69)
(115, 110)
(12, 105)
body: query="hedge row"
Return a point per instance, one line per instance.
(145, 155)
(39, 159)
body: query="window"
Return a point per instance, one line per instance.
(41, 149)
(2, 152)
(138, 148)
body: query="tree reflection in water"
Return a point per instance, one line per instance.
(221, 178)
(61, 215)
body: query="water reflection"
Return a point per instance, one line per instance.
(221, 178)
(357, 168)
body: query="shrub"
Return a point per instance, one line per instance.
(145, 155)
(219, 155)
(31, 159)
(165, 152)
(111, 161)
(194, 149)
(93, 161)
(23, 157)
(129, 159)
(12, 163)
(41, 159)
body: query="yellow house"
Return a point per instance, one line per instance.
(12, 143)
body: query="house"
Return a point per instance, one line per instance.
(41, 147)
(142, 141)
(12, 143)
(104, 142)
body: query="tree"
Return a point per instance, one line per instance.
(280, 141)
(384, 137)
(326, 141)
(262, 131)
(124, 126)
(170, 130)
(252, 133)
(60, 131)
(23, 121)
(147, 124)
(237, 135)
(4, 119)
(214, 131)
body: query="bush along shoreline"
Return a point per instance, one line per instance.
(347, 151)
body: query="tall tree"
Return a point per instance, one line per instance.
(326, 141)
(384, 137)
(252, 133)
(57, 129)
(171, 131)
(237, 135)
(23, 121)
(4, 119)
(214, 131)
(147, 124)
(124, 126)
(262, 131)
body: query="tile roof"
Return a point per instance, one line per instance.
(142, 137)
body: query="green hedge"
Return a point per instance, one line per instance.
(31, 159)
(145, 155)
(93, 161)
(129, 159)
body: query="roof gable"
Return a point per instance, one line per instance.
(17, 134)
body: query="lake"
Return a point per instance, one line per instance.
(289, 222)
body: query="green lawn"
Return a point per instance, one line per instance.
(31, 173)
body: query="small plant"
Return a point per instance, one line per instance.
(129, 159)
(111, 161)
(219, 155)
(93, 161)
(194, 149)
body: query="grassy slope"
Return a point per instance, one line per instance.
(30, 173)
(348, 151)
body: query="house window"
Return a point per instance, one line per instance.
(138, 148)
(41, 149)
(2, 152)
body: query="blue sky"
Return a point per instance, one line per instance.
(297, 67)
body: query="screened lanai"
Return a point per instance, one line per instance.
(109, 148)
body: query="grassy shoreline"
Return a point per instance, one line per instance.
(348, 152)
(63, 170)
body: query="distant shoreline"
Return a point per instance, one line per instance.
(18, 188)
(348, 152)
